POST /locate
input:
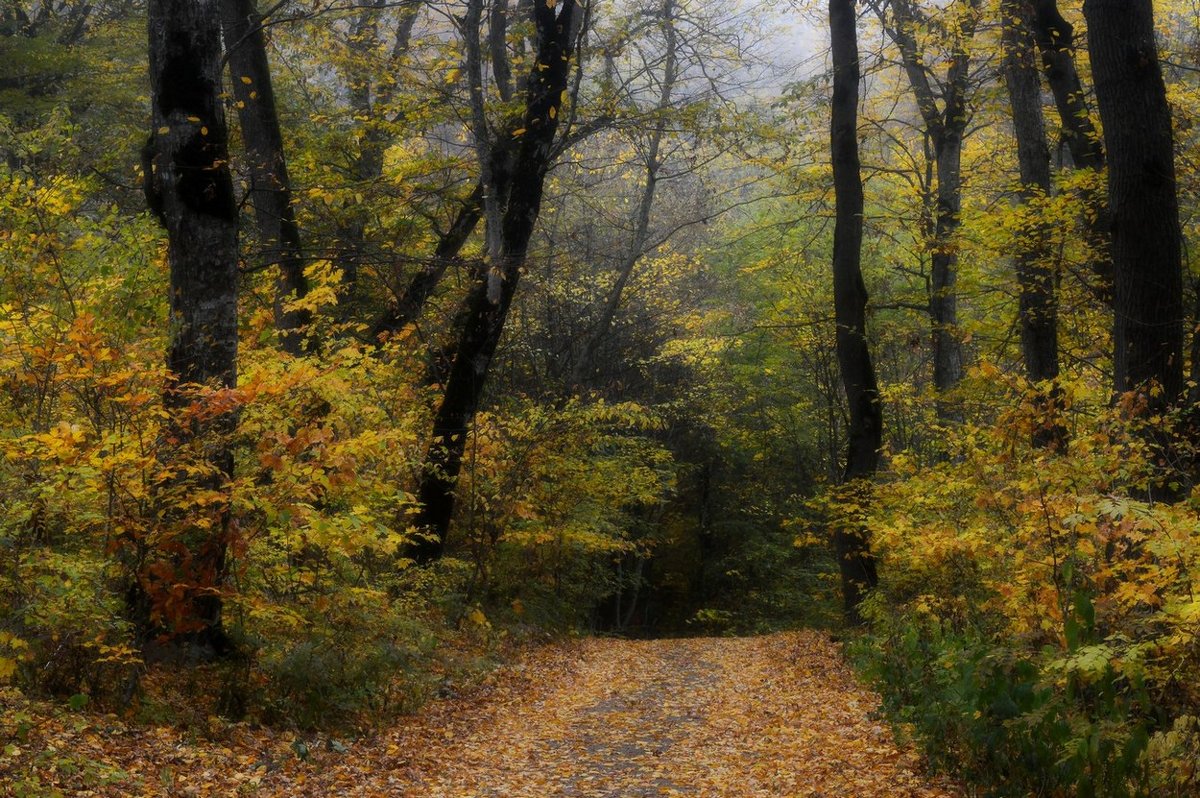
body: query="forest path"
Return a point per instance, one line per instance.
(771, 717)
(779, 715)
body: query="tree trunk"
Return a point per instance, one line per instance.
(1038, 310)
(1055, 40)
(945, 127)
(270, 188)
(943, 300)
(191, 189)
(1144, 211)
(486, 306)
(865, 429)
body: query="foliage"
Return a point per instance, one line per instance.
(1034, 627)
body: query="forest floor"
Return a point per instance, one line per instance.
(779, 715)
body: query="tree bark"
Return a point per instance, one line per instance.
(865, 429)
(1143, 207)
(1055, 40)
(485, 309)
(270, 187)
(190, 188)
(1038, 309)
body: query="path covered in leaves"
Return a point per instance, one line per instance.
(768, 716)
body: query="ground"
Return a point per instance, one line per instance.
(779, 715)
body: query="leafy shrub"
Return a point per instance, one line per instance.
(1035, 624)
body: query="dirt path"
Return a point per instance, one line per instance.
(768, 716)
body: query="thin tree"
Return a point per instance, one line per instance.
(944, 109)
(654, 163)
(865, 429)
(1142, 201)
(270, 187)
(190, 188)
(1038, 309)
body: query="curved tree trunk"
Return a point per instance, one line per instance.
(485, 309)
(1055, 39)
(865, 430)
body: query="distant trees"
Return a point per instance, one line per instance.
(944, 105)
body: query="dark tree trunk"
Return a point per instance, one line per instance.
(1055, 40)
(1143, 208)
(190, 188)
(1038, 313)
(270, 188)
(865, 430)
(486, 306)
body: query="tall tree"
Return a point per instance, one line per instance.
(1038, 309)
(944, 106)
(1055, 40)
(1143, 207)
(514, 173)
(865, 429)
(190, 188)
(270, 187)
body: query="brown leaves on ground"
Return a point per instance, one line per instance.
(767, 716)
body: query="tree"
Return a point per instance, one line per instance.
(865, 432)
(654, 163)
(514, 176)
(190, 188)
(944, 106)
(1143, 207)
(270, 186)
(1038, 308)
(1055, 40)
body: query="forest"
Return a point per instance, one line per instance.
(751, 400)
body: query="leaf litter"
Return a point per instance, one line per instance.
(770, 716)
